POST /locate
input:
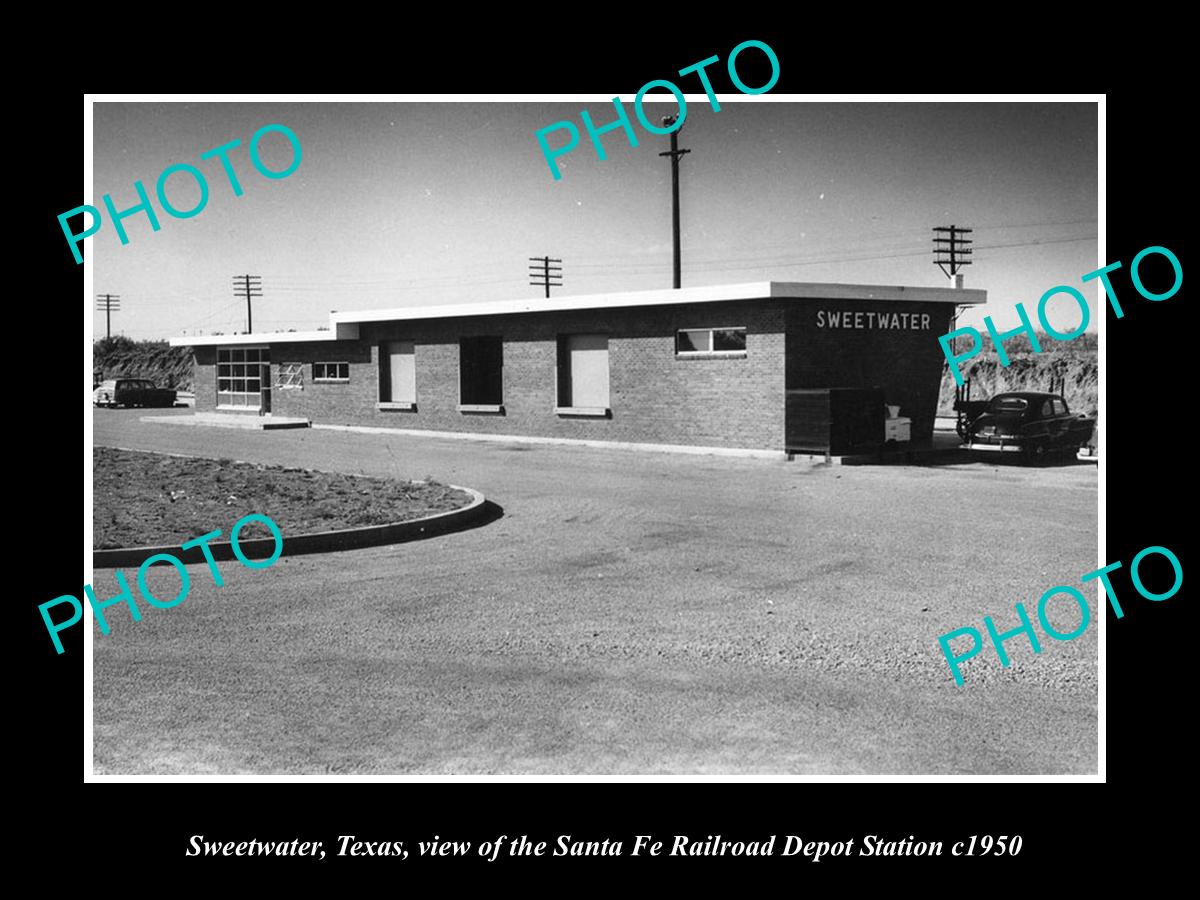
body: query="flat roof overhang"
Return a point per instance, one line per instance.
(344, 325)
(338, 332)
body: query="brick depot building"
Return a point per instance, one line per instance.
(709, 366)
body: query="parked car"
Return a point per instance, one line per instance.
(131, 392)
(1031, 423)
(1090, 452)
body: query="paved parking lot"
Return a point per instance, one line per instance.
(630, 613)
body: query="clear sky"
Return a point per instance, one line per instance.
(398, 204)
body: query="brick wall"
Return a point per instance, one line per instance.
(655, 396)
(204, 378)
(905, 363)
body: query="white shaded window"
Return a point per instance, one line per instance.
(397, 372)
(583, 373)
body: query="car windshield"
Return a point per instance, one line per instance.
(1007, 405)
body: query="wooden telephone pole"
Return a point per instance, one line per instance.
(545, 272)
(247, 286)
(675, 153)
(108, 302)
(958, 252)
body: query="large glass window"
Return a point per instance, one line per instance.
(242, 374)
(481, 371)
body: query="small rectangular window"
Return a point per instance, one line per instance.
(331, 371)
(710, 342)
(481, 371)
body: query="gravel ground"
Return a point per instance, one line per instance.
(142, 499)
(630, 613)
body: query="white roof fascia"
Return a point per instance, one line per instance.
(344, 325)
(757, 290)
(343, 331)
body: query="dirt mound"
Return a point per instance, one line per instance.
(1070, 367)
(166, 366)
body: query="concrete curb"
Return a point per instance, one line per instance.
(745, 453)
(478, 512)
(216, 420)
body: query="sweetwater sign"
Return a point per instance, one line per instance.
(883, 321)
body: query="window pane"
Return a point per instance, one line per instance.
(252, 355)
(253, 385)
(585, 381)
(224, 398)
(398, 383)
(318, 370)
(222, 384)
(343, 370)
(481, 370)
(237, 355)
(239, 371)
(729, 339)
(693, 341)
(222, 354)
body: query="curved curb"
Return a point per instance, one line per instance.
(478, 512)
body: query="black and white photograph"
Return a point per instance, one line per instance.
(755, 435)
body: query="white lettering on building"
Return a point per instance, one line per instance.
(865, 321)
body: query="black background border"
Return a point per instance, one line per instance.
(1147, 676)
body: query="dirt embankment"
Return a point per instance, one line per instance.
(166, 366)
(1071, 367)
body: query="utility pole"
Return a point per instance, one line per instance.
(247, 286)
(545, 271)
(952, 251)
(108, 302)
(675, 153)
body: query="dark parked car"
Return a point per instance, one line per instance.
(1031, 423)
(132, 392)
